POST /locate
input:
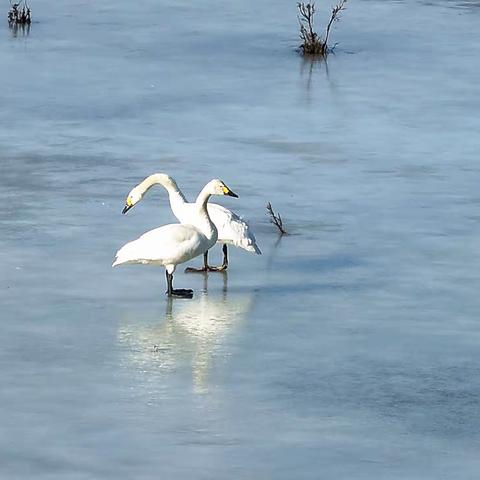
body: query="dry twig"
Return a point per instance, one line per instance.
(276, 219)
(334, 18)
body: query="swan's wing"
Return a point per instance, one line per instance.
(232, 228)
(170, 244)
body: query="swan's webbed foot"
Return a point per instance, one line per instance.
(221, 268)
(196, 270)
(181, 293)
(176, 292)
(207, 268)
(199, 270)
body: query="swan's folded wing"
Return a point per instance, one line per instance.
(232, 228)
(168, 244)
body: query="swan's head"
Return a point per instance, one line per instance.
(139, 191)
(217, 187)
(132, 199)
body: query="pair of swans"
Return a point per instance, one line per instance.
(174, 244)
(232, 230)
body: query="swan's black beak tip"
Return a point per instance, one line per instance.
(232, 194)
(126, 208)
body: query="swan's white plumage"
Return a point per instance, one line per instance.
(173, 244)
(169, 245)
(232, 229)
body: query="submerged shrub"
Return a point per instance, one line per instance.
(18, 14)
(312, 43)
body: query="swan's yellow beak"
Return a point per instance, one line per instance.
(227, 191)
(128, 205)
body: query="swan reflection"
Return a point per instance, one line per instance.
(191, 334)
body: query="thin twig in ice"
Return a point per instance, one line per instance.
(276, 219)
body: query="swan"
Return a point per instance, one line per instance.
(176, 243)
(231, 228)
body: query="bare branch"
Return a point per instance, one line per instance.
(334, 17)
(276, 219)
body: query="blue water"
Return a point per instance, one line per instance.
(348, 350)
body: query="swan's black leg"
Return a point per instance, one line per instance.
(225, 255)
(224, 265)
(207, 267)
(169, 283)
(177, 292)
(199, 270)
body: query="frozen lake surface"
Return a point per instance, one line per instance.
(348, 350)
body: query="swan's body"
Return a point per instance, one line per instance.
(169, 246)
(174, 244)
(232, 229)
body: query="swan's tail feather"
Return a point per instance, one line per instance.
(124, 255)
(249, 244)
(116, 262)
(252, 247)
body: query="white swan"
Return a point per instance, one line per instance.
(173, 244)
(231, 228)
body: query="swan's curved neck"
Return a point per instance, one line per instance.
(175, 195)
(206, 225)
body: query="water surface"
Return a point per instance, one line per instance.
(349, 349)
